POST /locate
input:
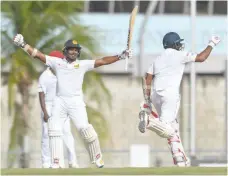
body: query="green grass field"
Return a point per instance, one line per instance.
(120, 171)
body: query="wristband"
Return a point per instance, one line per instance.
(25, 48)
(34, 52)
(212, 44)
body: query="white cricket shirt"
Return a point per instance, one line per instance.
(47, 84)
(69, 75)
(168, 69)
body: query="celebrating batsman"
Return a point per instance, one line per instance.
(165, 75)
(69, 99)
(47, 93)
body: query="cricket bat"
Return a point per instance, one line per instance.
(130, 31)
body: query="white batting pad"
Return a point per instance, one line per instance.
(179, 157)
(177, 150)
(91, 139)
(162, 129)
(56, 143)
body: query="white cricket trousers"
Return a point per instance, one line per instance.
(67, 138)
(73, 108)
(166, 103)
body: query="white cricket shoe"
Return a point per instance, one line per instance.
(188, 162)
(99, 161)
(46, 165)
(55, 166)
(143, 117)
(73, 165)
(185, 163)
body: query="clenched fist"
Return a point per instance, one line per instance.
(19, 40)
(128, 53)
(214, 41)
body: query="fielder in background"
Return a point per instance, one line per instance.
(47, 93)
(69, 100)
(165, 75)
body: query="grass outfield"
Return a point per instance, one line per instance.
(120, 171)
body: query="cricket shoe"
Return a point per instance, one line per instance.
(73, 165)
(143, 121)
(99, 161)
(55, 166)
(187, 162)
(184, 164)
(46, 165)
(182, 161)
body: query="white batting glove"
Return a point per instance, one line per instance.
(214, 41)
(128, 53)
(19, 40)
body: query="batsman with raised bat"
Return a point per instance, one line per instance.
(69, 101)
(165, 75)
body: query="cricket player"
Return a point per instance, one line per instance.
(47, 92)
(69, 100)
(165, 75)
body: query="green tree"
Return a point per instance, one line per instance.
(46, 26)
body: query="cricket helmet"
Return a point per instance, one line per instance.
(56, 53)
(172, 40)
(71, 44)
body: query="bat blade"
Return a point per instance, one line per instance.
(130, 31)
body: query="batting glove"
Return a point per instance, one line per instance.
(214, 41)
(128, 53)
(144, 106)
(19, 40)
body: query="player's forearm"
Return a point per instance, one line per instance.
(109, 59)
(148, 84)
(42, 102)
(148, 91)
(106, 60)
(34, 53)
(201, 57)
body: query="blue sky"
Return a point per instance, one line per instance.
(111, 30)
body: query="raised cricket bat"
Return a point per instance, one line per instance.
(130, 31)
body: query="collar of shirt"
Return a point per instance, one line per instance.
(72, 63)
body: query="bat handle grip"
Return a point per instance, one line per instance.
(126, 64)
(126, 60)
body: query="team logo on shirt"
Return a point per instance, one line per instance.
(76, 65)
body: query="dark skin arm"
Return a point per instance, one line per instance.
(201, 57)
(149, 79)
(43, 105)
(105, 61)
(39, 55)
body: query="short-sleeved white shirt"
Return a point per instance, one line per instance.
(69, 75)
(47, 84)
(168, 69)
